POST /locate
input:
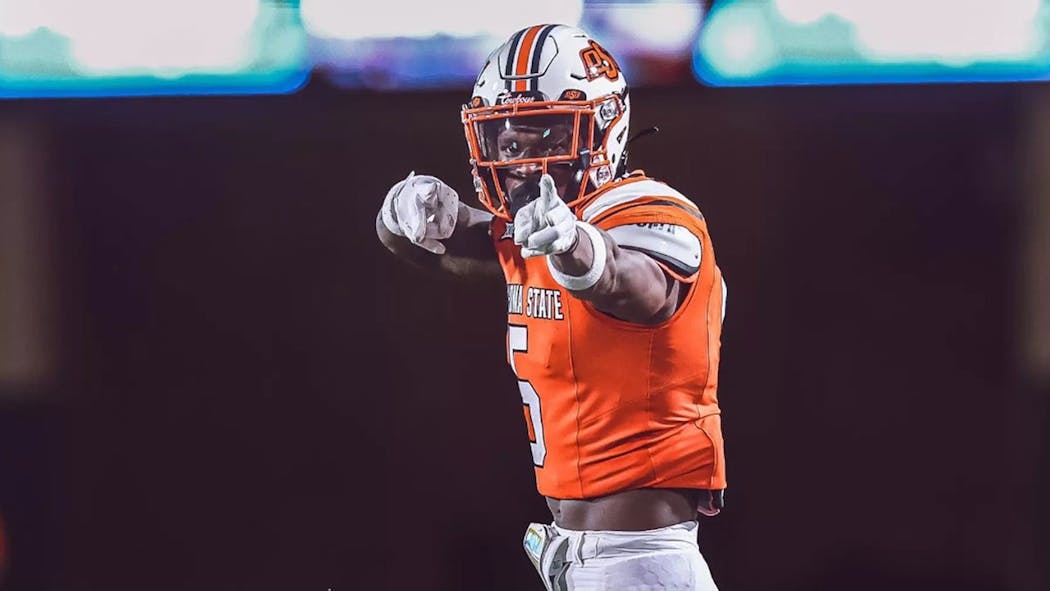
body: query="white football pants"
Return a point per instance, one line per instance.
(650, 560)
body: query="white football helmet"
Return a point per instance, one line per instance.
(549, 100)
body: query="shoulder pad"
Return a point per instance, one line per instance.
(629, 191)
(671, 244)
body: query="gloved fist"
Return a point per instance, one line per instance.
(546, 225)
(423, 209)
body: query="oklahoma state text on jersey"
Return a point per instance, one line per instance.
(610, 405)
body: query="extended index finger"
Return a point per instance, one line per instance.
(549, 192)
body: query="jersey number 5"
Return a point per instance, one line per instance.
(518, 342)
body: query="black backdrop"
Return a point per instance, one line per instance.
(254, 395)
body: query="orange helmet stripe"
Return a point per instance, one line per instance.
(521, 67)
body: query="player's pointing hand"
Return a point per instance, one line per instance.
(423, 209)
(546, 225)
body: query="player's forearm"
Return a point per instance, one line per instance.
(631, 286)
(468, 251)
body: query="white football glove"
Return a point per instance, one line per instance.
(546, 225)
(423, 209)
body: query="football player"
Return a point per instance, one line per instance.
(615, 308)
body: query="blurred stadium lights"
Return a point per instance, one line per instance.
(118, 47)
(339, 19)
(136, 47)
(655, 27)
(760, 42)
(133, 47)
(408, 44)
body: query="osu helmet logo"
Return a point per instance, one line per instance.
(572, 94)
(597, 62)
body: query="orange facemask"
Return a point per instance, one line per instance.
(511, 145)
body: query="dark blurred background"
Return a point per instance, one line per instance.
(213, 376)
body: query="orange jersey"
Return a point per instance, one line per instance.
(611, 405)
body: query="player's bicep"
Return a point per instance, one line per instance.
(643, 289)
(634, 287)
(655, 264)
